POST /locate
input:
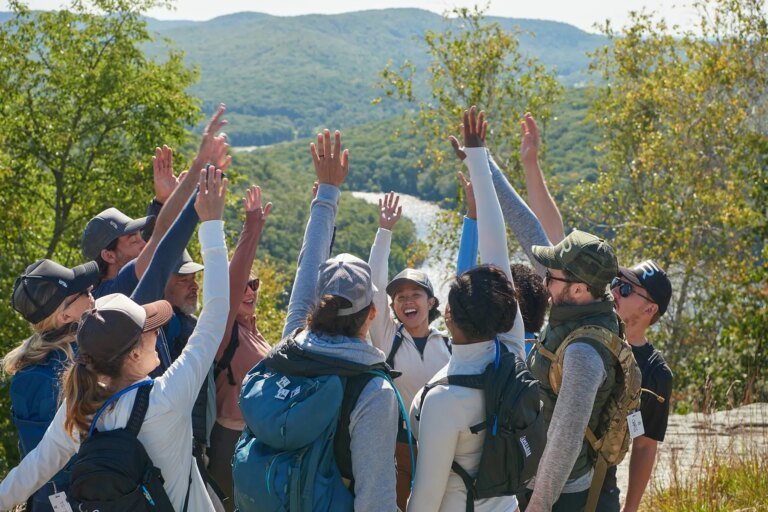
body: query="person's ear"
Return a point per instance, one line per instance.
(109, 256)
(64, 318)
(651, 309)
(372, 312)
(431, 302)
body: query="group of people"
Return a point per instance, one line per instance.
(104, 331)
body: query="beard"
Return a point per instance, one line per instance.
(189, 307)
(564, 297)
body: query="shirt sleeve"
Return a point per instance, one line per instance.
(583, 372)
(492, 234)
(518, 216)
(383, 327)
(467, 257)
(40, 465)
(124, 282)
(314, 251)
(178, 387)
(373, 432)
(167, 256)
(438, 435)
(656, 415)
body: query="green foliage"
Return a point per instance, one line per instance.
(683, 180)
(82, 108)
(277, 68)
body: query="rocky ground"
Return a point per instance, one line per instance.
(693, 438)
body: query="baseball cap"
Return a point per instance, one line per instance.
(114, 325)
(652, 277)
(589, 258)
(348, 277)
(410, 275)
(44, 285)
(107, 226)
(187, 265)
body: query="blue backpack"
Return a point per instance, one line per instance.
(289, 457)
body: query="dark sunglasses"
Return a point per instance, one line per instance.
(253, 284)
(549, 277)
(77, 296)
(626, 289)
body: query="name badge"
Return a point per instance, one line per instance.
(635, 421)
(59, 502)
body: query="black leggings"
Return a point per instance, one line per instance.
(222, 449)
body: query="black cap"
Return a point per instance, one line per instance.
(106, 227)
(655, 281)
(411, 275)
(115, 323)
(44, 285)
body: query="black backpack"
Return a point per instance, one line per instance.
(515, 431)
(112, 472)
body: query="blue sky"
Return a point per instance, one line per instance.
(581, 13)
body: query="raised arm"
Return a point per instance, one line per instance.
(467, 257)
(331, 167)
(492, 233)
(539, 198)
(245, 252)
(382, 328)
(213, 149)
(179, 385)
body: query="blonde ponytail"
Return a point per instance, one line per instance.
(35, 349)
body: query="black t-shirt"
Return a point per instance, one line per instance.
(657, 377)
(420, 342)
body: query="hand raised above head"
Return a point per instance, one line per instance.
(389, 211)
(473, 128)
(331, 163)
(211, 196)
(253, 208)
(529, 140)
(213, 147)
(162, 173)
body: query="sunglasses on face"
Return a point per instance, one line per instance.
(253, 284)
(549, 277)
(626, 289)
(77, 297)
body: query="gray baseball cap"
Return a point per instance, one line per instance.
(114, 325)
(107, 226)
(411, 275)
(187, 265)
(348, 277)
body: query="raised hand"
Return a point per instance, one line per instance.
(529, 141)
(469, 195)
(213, 147)
(389, 211)
(331, 164)
(209, 203)
(162, 173)
(253, 208)
(475, 128)
(315, 185)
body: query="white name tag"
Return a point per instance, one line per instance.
(635, 421)
(59, 502)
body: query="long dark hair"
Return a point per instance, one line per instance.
(482, 302)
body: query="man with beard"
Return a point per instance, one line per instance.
(578, 270)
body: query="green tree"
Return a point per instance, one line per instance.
(82, 109)
(682, 180)
(473, 62)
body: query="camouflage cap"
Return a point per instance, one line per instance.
(589, 258)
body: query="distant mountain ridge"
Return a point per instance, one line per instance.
(284, 77)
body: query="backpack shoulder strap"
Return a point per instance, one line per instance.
(601, 335)
(353, 387)
(395, 347)
(139, 410)
(448, 345)
(114, 397)
(225, 363)
(427, 387)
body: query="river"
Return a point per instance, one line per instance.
(423, 214)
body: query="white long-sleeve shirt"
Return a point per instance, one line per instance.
(417, 368)
(444, 436)
(491, 232)
(167, 429)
